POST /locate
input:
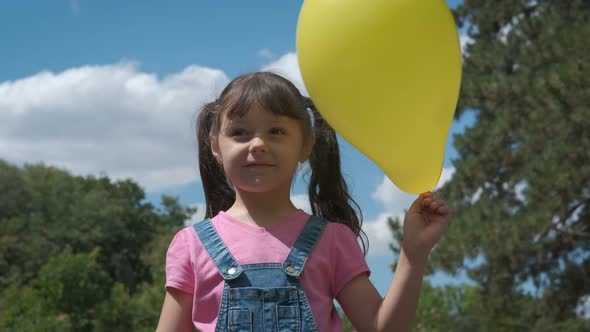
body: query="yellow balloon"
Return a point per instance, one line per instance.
(386, 75)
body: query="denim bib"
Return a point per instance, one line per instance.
(265, 296)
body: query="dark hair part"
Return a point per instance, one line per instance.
(328, 191)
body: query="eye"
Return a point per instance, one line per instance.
(237, 132)
(277, 131)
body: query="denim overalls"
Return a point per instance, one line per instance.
(265, 296)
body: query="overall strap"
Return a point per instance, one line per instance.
(303, 246)
(223, 259)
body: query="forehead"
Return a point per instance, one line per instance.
(256, 115)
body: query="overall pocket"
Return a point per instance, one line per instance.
(288, 318)
(240, 320)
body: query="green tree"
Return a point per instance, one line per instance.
(74, 285)
(25, 309)
(521, 188)
(81, 253)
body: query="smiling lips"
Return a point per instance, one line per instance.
(259, 165)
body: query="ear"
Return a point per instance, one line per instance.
(307, 149)
(215, 148)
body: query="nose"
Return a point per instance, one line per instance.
(257, 144)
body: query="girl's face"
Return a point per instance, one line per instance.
(260, 150)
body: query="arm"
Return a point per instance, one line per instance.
(176, 312)
(394, 313)
(398, 310)
(424, 224)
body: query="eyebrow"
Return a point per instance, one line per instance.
(241, 120)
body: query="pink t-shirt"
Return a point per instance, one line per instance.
(336, 260)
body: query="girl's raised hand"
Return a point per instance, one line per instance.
(425, 222)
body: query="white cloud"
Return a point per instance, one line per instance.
(288, 66)
(446, 176)
(393, 200)
(507, 29)
(301, 202)
(111, 118)
(519, 189)
(379, 235)
(266, 53)
(394, 203)
(464, 41)
(476, 195)
(198, 215)
(583, 307)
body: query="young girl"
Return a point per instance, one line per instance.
(257, 263)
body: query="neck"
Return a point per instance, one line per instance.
(262, 209)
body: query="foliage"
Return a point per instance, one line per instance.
(81, 253)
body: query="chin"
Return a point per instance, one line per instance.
(258, 188)
(253, 187)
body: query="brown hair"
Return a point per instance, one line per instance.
(327, 192)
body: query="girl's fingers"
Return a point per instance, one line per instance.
(443, 210)
(438, 206)
(434, 204)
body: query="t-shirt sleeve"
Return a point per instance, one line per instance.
(179, 269)
(347, 257)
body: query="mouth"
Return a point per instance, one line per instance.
(259, 165)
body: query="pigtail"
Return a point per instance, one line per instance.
(328, 191)
(219, 196)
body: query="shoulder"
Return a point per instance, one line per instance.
(186, 233)
(185, 238)
(343, 253)
(337, 235)
(338, 229)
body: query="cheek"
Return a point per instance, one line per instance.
(231, 157)
(227, 148)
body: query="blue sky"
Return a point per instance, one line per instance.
(113, 86)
